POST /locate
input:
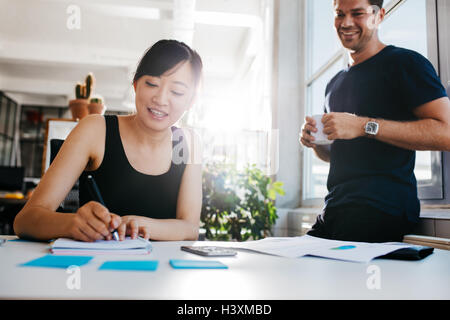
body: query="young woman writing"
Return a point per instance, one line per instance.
(139, 162)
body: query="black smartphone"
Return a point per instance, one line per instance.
(210, 251)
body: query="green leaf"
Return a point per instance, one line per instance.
(272, 194)
(238, 204)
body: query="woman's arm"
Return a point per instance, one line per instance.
(38, 219)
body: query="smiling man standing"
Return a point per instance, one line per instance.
(386, 104)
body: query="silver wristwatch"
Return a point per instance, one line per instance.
(371, 128)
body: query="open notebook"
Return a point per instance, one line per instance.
(63, 246)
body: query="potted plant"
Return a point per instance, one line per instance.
(96, 105)
(79, 106)
(238, 205)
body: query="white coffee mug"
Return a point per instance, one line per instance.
(319, 137)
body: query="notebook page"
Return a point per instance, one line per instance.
(128, 243)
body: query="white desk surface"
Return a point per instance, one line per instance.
(250, 276)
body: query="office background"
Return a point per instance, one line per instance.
(266, 66)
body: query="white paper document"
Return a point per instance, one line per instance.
(64, 246)
(295, 247)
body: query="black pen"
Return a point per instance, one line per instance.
(95, 192)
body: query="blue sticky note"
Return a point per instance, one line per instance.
(344, 247)
(26, 240)
(124, 265)
(52, 261)
(197, 264)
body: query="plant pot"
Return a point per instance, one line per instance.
(96, 108)
(79, 108)
(34, 116)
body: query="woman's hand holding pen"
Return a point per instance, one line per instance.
(93, 222)
(133, 226)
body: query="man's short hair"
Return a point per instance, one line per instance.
(378, 3)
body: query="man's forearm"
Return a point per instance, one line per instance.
(425, 134)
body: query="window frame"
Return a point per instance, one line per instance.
(442, 13)
(432, 189)
(7, 136)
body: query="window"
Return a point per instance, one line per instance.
(407, 27)
(408, 24)
(324, 60)
(315, 177)
(8, 110)
(233, 117)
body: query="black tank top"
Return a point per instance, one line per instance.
(126, 191)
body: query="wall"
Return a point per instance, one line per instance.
(288, 113)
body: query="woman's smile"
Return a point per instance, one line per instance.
(157, 114)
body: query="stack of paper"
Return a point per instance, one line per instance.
(65, 246)
(295, 247)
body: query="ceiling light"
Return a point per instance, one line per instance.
(227, 19)
(127, 11)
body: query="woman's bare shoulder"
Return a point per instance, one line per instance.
(89, 135)
(92, 122)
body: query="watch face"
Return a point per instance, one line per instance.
(372, 128)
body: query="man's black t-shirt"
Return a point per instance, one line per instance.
(389, 85)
